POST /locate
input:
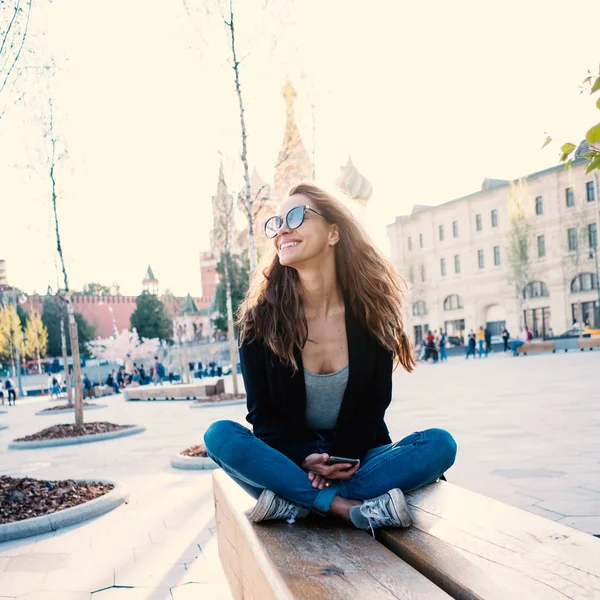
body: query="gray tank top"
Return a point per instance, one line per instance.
(324, 395)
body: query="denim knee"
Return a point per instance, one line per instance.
(445, 445)
(218, 435)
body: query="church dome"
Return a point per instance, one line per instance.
(354, 183)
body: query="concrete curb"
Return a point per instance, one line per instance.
(187, 399)
(193, 462)
(65, 518)
(213, 404)
(44, 413)
(83, 439)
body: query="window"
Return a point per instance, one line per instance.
(443, 267)
(496, 255)
(535, 289)
(478, 222)
(454, 228)
(589, 187)
(585, 282)
(541, 241)
(480, 259)
(539, 206)
(457, 264)
(494, 218)
(569, 197)
(593, 235)
(420, 240)
(441, 232)
(419, 309)
(422, 272)
(409, 244)
(411, 274)
(572, 235)
(452, 302)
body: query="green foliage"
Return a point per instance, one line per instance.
(239, 268)
(96, 289)
(53, 311)
(150, 318)
(592, 136)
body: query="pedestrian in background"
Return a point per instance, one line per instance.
(10, 389)
(471, 345)
(442, 344)
(481, 341)
(488, 341)
(505, 338)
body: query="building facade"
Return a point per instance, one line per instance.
(514, 253)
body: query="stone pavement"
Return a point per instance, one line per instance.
(527, 430)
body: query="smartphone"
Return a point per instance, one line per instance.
(336, 460)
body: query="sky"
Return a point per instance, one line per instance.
(428, 99)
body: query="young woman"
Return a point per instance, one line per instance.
(320, 331)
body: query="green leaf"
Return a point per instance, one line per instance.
(592, 165)
(549, 139)
(593, 134)
(568, 163)
(598, 104)
(596, 86)
(567, 148)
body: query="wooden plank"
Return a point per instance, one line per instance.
(189, 391)
(591, 342)
(307, 560)
(535, 347)
(476, 547)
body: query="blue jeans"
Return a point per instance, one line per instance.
(409, 464)
(482, 348)
(516, 345)
(443, 355)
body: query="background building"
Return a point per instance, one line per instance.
(513, 253)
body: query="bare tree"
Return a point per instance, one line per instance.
(222, 239)
(520, 241)
(14, 26)
(66, 295)
(246, 199)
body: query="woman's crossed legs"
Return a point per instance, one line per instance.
(411, 463)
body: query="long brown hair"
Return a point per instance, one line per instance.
(273, 311)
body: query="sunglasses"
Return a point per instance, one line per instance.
(293, 220)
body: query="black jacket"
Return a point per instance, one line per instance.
(276, 397)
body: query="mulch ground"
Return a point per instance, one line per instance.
(196, 451)
(222, 398)
(23, 498)
(65, 431)
(65, 406)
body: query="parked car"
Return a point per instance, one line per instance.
(575, 333)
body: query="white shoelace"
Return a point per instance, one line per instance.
(377, 513)
(287, 511)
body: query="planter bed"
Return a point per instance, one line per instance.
(63, 435)
(32, 506)
(194, 457)
(65, 408)
(220, 400)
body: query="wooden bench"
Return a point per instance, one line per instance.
(185, 391)
(462, 545)
(529, 347)
(591, 343)
(277, 561)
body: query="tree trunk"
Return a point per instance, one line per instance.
(63, 340)
(39, 362)
(76, 365)
(230, 329)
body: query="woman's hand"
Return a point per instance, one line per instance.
(316, 464)
(318, 481)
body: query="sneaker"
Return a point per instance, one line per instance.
(271, 506)
(389, 510)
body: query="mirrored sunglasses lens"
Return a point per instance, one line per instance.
(272, 226)
(295, 217)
